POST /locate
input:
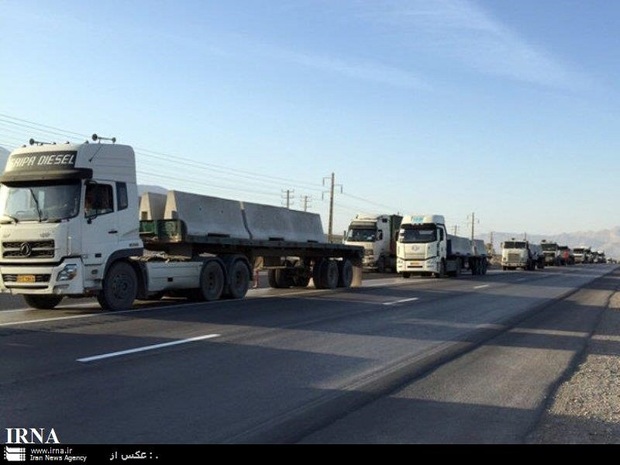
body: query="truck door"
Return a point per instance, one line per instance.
(100, 228)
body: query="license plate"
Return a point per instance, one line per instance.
(25, 278)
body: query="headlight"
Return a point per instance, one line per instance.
(67, 273)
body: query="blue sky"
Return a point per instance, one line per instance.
(504, 111)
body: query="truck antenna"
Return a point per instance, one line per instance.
(96, 137)
(38, 142)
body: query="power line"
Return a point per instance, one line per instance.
(15, 131)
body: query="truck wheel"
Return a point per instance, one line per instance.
(300, 276)
(345, 273)
(211, 281)
(325, 274)
(330, 275)
(271, 278)
(42, 302)
(406, 274)
(239, 280)
(381, 265)
(442, 270)
(120, 287)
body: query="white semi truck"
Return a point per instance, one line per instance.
(552, 253)
(71, 226)
(522, 254)
(378, 235)
(425, 248)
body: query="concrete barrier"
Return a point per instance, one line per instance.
(267, 222)
(152, 206)
(207, 216)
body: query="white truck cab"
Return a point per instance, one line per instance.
(67, 211)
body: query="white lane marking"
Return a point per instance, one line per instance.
(481, 286)
(58, 318)
(400, 301)
(142, 349)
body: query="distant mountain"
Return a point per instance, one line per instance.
(607, 240)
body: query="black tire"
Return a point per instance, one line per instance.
(330, 275)
(345, 273)
(406, 274)
(212, 281)
(300, 277)
(381, 265)
(317, 273)
(120, 287)
(238, 280)
(272, 279)
(42, 302)
(442, 270)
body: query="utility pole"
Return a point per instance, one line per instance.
(331, 205)
(306, 202)
(473, 221)
(288, 197)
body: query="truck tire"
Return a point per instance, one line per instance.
(301, 277)
(211, 281)
(42, 302)
(330, 275)
(381, 265)
(345, 273)
(238, 280)
(442, 270)
(120, 287)
(325, 274)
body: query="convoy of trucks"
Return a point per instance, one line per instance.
(73, 225)
(425, 248)
(522, 254)
(377, 234)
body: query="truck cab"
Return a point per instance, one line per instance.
(551, 252)
(521, 254)
(67, 211)
(377, 234)
(422, 245)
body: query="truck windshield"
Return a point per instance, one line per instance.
(417, 233)
(40, 202)
(362, 235)
(550, 247)
(514, 245)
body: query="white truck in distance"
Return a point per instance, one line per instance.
(583, 254)
(425, 248)
(522, 254)
(55, 244)
(551, 251)
(377, 234)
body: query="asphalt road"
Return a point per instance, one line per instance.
(467, 360)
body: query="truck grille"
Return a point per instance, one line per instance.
(514, 257)
(38, 278)
(28, 249)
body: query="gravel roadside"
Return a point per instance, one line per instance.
(585, 409)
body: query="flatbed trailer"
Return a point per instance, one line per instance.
(73, 225)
